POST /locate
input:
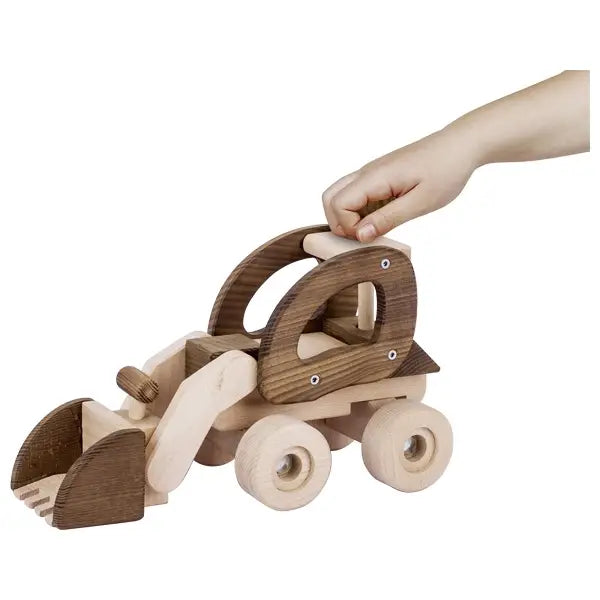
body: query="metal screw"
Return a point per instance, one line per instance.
(314, 380)
(409, 445)
(385, 263)
(392, 354)
(285, 465)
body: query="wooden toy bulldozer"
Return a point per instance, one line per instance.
(318, 376)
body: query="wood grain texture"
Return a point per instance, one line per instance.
(343, 304)
(228, 311)
(105, 484)
(346, 330)
(52, 447)
(417, 361)
(137, 384)
(284, 378)
(200, 352)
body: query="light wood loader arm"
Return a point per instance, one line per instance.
(191, 413)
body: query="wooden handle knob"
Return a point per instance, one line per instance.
(137, 384)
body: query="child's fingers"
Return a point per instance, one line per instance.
(367, 186)
(409, 206)
(328, 195)
(341, 183)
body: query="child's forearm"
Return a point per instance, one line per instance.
(551, 118)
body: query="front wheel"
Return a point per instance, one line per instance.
(407, 445)
(283, 462)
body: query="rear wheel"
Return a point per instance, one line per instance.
(407, 445)
(283, 462)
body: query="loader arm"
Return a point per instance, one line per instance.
(188, 418)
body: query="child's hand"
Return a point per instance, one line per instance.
(551, 118)
(399, 186)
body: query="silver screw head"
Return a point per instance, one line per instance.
(285, 465)
(314, 380)
(385, 263)
(392, 354)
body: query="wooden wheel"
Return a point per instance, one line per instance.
(283, 462)
(407, 445)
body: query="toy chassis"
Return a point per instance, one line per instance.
(318, 376)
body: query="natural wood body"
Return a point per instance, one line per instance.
(229, 393)
(199, 352)
(105, 484)
(416, 362)
(253, 407)
(346, 329)
(52, 447)
(228, 311)
(284, 378)
(97, 422)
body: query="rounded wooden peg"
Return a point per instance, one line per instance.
(137, 384)
(137, 410)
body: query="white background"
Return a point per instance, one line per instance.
(147, 147)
